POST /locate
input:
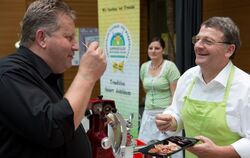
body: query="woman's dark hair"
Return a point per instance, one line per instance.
(160, 40)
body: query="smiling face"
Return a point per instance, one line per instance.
(155, 50)
(209, 53)
(61, 45)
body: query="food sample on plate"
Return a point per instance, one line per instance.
(163, 149)
(168, 146)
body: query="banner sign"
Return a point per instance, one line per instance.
(119, 37)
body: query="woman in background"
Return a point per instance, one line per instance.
(159, 77)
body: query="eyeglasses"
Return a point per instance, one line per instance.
(206, 41)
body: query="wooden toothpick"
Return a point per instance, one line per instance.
(85, 45)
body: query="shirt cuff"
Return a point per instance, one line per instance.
(242, 147)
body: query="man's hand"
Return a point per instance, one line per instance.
(92, 66)
(207, 149)
(165, 122)
(93, 63)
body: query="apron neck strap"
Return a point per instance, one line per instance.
(229, 82)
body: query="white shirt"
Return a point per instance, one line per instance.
(238, 102)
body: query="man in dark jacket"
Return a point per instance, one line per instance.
(36, 119)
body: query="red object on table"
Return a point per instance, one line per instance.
(139, 143)
(98, 128)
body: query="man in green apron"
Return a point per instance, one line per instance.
(212, 99)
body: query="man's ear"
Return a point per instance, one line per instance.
(41, 37)
(230, 50)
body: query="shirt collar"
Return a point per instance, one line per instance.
(38, 63)
(221, 78)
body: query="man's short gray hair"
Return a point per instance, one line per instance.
(42, 14)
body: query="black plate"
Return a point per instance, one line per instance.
(183, 142)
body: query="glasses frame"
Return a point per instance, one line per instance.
(207, 42)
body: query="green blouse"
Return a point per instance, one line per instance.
(157, 88)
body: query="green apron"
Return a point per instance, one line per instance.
(208, 118)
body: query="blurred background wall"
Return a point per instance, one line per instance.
(11, 13)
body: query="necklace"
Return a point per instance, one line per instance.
(153, 67)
